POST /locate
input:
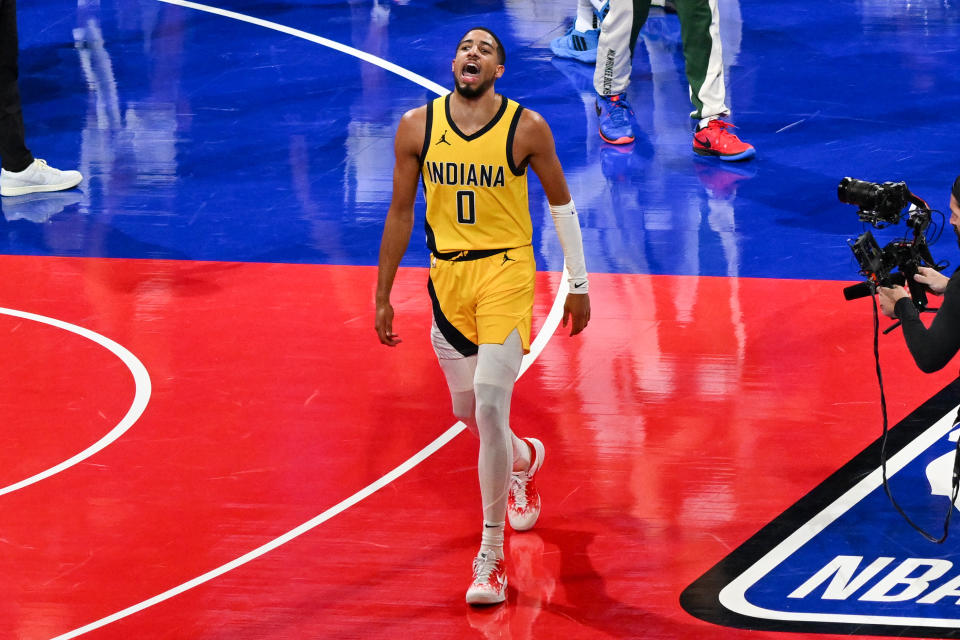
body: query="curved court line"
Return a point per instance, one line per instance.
(546, 332)
(140, 399)
(538, 344)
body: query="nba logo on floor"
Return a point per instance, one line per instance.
(842, 560)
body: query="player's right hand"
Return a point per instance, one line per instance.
(385, 325)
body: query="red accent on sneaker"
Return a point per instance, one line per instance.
(489, 580)
(534, 461)
(716, 140)
(523, 501)
(620, 140)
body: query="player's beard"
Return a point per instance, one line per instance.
(474, 91)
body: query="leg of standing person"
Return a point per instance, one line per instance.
(14, 153)
(703, 59)
(20, 172)
(580, 41)
(611, 77)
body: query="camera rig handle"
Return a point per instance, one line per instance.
(918, 252)
(918, 291)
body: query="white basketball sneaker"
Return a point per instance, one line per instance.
(523, 503)
(39, 176)
(489, 580)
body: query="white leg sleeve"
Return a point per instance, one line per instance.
(459, 374)
(497, 368)
(459, 371)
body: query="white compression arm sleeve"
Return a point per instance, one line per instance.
(568, 230)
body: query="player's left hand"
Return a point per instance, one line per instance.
(576, 310)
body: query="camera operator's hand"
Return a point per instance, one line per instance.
(935, 281)
(888, 296)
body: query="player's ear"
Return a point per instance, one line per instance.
(500, 70)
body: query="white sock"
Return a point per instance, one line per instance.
(584, 17)
(492, 537)
(705, 121)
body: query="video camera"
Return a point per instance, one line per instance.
(895, 264)
(879, 203)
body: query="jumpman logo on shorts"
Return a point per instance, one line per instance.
(506, 257)
(442, 139)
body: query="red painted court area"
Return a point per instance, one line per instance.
(272, 401)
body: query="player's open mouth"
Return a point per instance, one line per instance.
(470, 72)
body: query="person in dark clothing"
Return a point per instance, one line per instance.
(931, 348)
(20, 172)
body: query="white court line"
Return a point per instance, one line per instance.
(549, 327)
(140, 399)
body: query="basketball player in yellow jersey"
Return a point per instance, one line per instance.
(471, 149)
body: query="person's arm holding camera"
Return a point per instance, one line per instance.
(931, 348)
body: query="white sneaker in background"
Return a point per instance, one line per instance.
(36, 178)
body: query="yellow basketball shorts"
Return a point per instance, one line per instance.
(481, 301)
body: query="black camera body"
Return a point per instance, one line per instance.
(879, 204)
(896, 263)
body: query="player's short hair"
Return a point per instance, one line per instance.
(956, 189)
(501, 52)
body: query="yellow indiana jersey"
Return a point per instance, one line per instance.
(476, 196)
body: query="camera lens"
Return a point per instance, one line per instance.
(865, 195)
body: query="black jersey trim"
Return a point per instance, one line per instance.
(431, 239)
(468, 255)
(426, 134)
(487, 127)
(456, 339)
(511, 134)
